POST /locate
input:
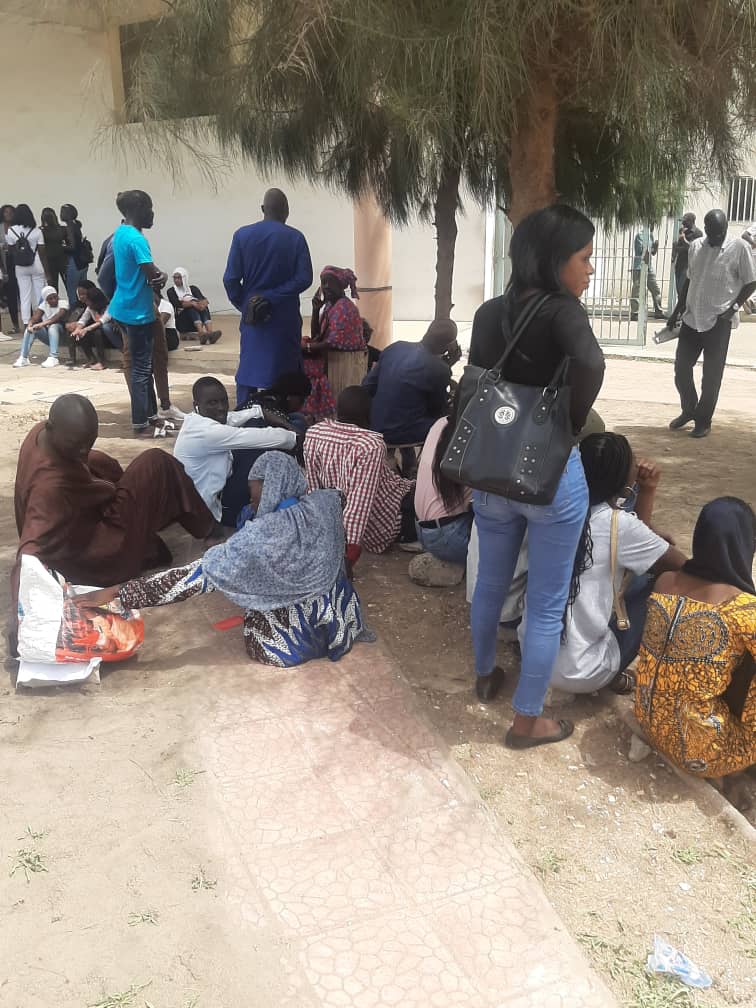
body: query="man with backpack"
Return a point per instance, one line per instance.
(27, 243)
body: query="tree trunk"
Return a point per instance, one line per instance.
(531, 161)
(446, 236)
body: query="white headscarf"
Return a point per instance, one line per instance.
(183, 290)
(47, 291)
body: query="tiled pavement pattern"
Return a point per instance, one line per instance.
(355, 865)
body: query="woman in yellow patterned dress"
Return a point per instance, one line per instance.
(696, 692)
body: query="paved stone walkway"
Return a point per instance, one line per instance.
(302, 838)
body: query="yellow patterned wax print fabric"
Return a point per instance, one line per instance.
(679, 696)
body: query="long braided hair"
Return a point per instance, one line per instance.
(606, 460)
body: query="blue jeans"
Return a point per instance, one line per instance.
(636, 602)
(187, 319)
(74, 276)
(553, 535)
(51, 336)
(450, 541)
(143, 402)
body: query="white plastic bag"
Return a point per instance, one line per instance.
(37, 675)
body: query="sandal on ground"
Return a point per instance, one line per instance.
(623, 684)
(513, 741)
(148, 433)
(366, 636)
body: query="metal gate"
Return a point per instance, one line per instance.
(608, 300)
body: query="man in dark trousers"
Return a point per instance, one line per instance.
(268, 265)
(721, 276)
(688, 234)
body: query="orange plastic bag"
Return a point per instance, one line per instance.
(51, 628)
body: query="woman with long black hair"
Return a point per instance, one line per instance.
(596, 651)
(73, 245)
(7, 266)
(27, 246)
(55, 236)
(442, 507)
(551, 253)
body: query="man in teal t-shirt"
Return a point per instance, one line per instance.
(133, 305)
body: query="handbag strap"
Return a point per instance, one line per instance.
(526, 316)
(618, 606)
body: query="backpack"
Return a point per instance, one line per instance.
(106, 273)
(23, 253)
(84, 254)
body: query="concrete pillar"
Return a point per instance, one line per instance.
(372, 264)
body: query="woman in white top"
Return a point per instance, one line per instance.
(27, 243)
(442, 508)
(595, 652)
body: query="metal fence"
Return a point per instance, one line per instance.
(609, 298)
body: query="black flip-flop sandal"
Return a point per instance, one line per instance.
(513, 741)
(623, 684)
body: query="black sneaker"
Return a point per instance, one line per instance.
(680, 421)
(700, 431)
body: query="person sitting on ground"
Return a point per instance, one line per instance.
(47, 324)
(344, 454)
(285, 569)
(286, 398)
(75, 311)
(167, 316)
(409, 385)
(95, 331)
(217, 450)
(595, 650)
(696, 692)
(443, 509)
(80, 513)
(335, 325)
(191, 308)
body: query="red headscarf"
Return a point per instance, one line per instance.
(345, 278)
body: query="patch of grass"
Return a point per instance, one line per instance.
(201, 881)
(122, 1000)
(744, 926)
(687, 855)
(29, 861)
(550, 863)
(642, 989)
(185, 778)
(661, 992)
(32, 835)
(144, 917)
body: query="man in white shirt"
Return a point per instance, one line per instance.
(46, 324)
(721, 276)
(749, 237)
(217, 450)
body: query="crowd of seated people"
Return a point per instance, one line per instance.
(296, 494)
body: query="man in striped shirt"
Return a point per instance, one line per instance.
(344, 454)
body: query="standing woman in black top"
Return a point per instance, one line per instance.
(551, 253)
(55, 235)
(75, 272)
(7, 266)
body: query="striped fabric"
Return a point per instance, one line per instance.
(345, 457)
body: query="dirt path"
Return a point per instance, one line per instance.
(623, 850)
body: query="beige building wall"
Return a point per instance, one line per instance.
(55, 152)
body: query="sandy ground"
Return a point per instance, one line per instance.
(623, 850)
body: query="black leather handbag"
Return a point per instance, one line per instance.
(511, 440)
